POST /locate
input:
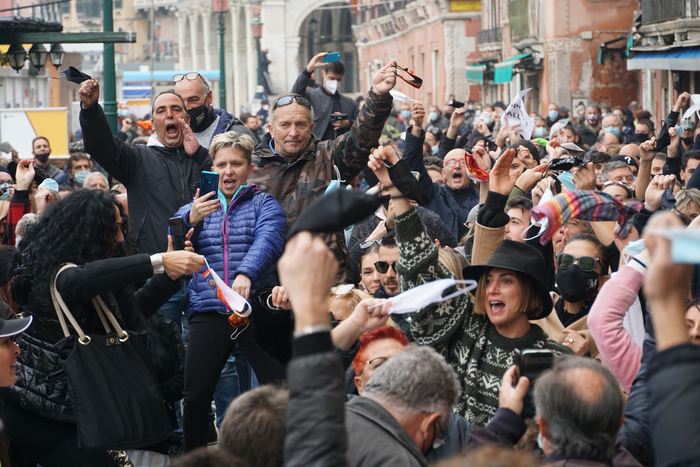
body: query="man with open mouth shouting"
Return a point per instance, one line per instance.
(159, 177)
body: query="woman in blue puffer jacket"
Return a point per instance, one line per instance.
(241, 234)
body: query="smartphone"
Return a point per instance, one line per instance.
(532, 363)
(208, 183)
(331, 57)
(455, 104)
(177, 231)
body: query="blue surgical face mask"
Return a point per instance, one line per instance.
(478, 112)
(613, 130)
(6, 190)
(567, 179)
(80, 177)
(488, 120)
(406, 114)
(433, 116)
(540, 132)
(333, 185)
(553, 114)
(603, 114)
(633, 249)
(470, 107)
(434, 149)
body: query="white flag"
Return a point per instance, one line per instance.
(516, 114)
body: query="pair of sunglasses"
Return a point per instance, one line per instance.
(192, 76)
(414, 81)
(286, 100)
(383, 266)
(586, 263)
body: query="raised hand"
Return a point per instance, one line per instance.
(25, 174)
(189, 141)
(681, 102)
(385, 79)
(458, 117)
(655, 191)
(584, 178)
(513, 390)
(646, 149)
(89, 93)
(179, 263)
(418, 113)
(316, 62)
(500, 178)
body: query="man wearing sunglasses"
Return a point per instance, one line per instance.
(205, 121)
(326, 100)
(296, 167)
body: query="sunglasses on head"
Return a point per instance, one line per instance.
(586, 263)
(383, 266)
(415, 81)
(286, 100)
(192, 76)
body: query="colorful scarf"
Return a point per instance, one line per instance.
(587, 206)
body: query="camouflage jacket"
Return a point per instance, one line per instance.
(297, 183)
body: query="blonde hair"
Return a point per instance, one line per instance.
(4, 208)
(453, 261)
(233, 140)
(685, 197)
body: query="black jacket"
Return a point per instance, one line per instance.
(674, 376)
(41, 384)
(159, 179)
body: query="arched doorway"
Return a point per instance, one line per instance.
(329, 29)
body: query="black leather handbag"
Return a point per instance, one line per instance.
(111, 382)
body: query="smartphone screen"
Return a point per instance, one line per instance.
(177, 232)
(208, 183)
(331, 57)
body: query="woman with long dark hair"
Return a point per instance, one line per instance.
(88, 229)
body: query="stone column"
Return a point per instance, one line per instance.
(251, 58)
(237, 74)
(206, 32)
(193, 40)
(181, 24)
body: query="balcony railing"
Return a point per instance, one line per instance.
(488, 36)
(654, 11)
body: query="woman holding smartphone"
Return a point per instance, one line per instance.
(240, 231)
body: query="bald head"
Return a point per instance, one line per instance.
(630, 150)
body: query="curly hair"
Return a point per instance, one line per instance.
(79, 229)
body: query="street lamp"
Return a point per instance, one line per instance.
(313, 29)
(256, 26)
(57, 54)
(221, 7)
(16, 55)
(38, 55)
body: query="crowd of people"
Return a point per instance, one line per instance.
(427, 284)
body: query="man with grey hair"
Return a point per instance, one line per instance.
(579, 413)
(403, 410)
(296, 167)
(205, 121)
(96, 181)
(617, 170)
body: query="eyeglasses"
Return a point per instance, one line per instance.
(454, 162)
(586, 263)
(190, 76)
(615, 182)
(383, 266)
(286, 100)
(415, 81)
(680, 215)
(376, 362)
(440, 439)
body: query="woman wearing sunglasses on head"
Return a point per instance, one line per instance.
(582, 269)
(477, 339)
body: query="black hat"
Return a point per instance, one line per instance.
(334, 211)
(629, 160)
(522, 258)
(12, 327)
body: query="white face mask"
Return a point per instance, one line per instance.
(419, 297)
(331, 85)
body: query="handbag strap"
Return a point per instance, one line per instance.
(103, 312)
(62, 309)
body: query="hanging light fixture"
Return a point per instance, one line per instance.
(16, 56)
(38, 55)
(57, 54)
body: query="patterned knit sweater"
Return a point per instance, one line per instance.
(467, 340)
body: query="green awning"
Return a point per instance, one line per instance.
(475, 73)
(503, 71)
